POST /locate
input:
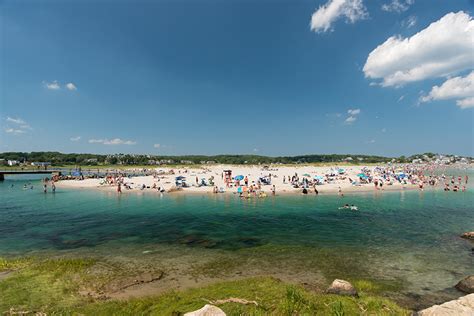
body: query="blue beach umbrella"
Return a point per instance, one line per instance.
(362, 175)
(238, 178)
(318, 178)
(180, 178)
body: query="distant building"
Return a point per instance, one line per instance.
(40, 164)
(13, 162)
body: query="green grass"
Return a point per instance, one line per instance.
(52, 286)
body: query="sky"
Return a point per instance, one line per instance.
(280, 77)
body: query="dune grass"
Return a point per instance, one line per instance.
(52, 286)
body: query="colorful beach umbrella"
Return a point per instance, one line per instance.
(238, 178)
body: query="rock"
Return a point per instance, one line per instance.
(342, 287)
(463, 306)
(207, 310)
(468, 235)
(466, 285)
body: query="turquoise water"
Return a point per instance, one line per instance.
(411, 235)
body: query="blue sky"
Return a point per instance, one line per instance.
(266, 77)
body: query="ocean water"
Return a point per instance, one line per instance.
(411, 237)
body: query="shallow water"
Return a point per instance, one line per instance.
(409, 236)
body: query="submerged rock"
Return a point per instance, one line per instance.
(341, 287)
(207, 310)
(468, 235)
(463, 306)
(466, 285)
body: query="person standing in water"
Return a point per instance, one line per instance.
(119, 188)
(45, 188)
(53, 187)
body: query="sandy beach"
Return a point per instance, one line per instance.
(332, 180)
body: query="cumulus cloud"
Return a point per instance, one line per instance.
(460, 88)
(352, 116)
(52, 85)
(466, 103)
(75, 139)
(71, 86)
(114, 141)
(327, 14)
(397, 5)
(443, 48)
(156, 145)
(350, 120)
(353, 111)
(20, 126)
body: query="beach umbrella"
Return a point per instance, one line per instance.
(318, 177)
(341, 170)
(238, 178)
(361, 175)
(180, 178)
(306, 175)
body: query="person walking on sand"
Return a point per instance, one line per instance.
(273, 190)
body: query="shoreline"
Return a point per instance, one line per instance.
(327, 180)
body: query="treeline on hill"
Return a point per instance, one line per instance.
(57, 158)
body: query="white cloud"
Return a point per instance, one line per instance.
(75, 139)
(444, 48)
(384, 130)
(95, 141)
(352, 116)
(410, 21)
(465, 103)
(14, 131)
(372, 141)
(325, 15)
(15, 120)
(156, 145)
(52, 85)
(21, 126)
(397, 5)
(350, 120)
(115, 141)
(353, 111)
(71, 86)
(461, 88)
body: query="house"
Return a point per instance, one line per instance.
(13, 162)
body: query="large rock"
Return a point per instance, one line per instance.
(463, 306)
(207, 310)
(468, 235)
(341, 287)
(466, 285)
